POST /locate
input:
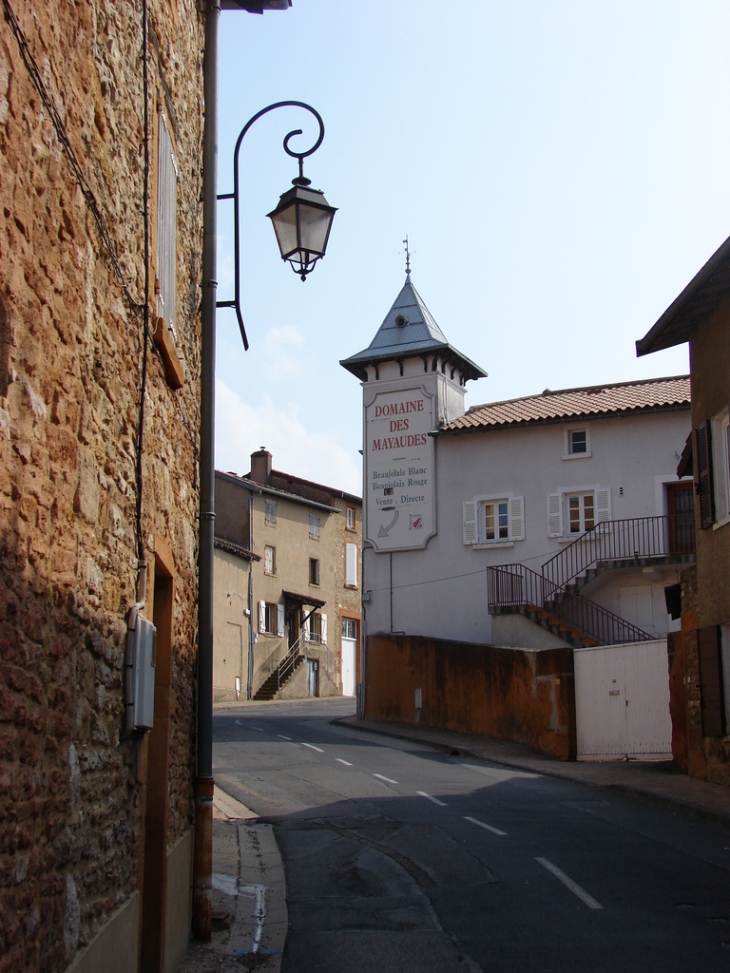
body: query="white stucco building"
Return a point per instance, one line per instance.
(559, 513)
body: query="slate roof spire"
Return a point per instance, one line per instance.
(409, 331)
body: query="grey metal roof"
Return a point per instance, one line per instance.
(409, 329)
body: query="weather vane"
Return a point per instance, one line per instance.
(408, 257)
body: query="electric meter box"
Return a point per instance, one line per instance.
(142, 658)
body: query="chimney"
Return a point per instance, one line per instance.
(261, 466)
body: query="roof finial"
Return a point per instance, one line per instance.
(408, 258)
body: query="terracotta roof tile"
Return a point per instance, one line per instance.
(596, 400)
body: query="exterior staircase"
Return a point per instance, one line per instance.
(271, 687)
(552, 598)
(281, 675)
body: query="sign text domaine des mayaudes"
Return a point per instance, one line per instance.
(399, 495)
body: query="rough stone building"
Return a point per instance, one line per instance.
(700, 315)
(287, 586)
(100, 238)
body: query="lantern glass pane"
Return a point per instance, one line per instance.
(285, 227)
(314, 228)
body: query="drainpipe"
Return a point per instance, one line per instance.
(204, 784)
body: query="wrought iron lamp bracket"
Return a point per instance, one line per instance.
(300, 180)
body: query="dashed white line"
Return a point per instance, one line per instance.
(257, 728)
(430, 797)
(570, 884)
(282, 737)
(345, 762)
(487, 827)
(312, 747)
(388, 780)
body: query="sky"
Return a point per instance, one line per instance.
(560, 169)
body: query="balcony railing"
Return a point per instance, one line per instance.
(621, 540)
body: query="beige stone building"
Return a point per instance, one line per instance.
(287, 586)
(101, 125)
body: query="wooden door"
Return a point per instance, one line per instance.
(680, 508)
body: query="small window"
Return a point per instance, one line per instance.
(315, 627)
(577, 444)
(271, 615)
(349, 628)
(313, 570)
(270, 516)
(350, 518)
(314, 526)
(269, 560)
(499, 520)
(496, 521)
(581, 513)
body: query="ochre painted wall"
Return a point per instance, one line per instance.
(511, 694)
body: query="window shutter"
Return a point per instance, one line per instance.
(603, 505)
(307, 637)
(704, 475)
(262, 617)
(517, 518)
(470, 522)
(280, 620)
(351, 564)
(711, 701)
(166, 225)
(719, 467)
(555, 514)
(323, 627)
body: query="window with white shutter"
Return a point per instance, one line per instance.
(323, 628)
(470, 522)
(603, 505)
(166, 226)
(517, 518)
(555, 514)
(351, 565)
(280, 620)
(493, 521)
(262, 617)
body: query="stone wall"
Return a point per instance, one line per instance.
(511, 694)
(71, 336)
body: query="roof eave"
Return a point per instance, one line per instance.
(672, 328)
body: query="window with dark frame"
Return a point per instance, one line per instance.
(313, 570)
(577, 441)
(315, 627)
(271, 615)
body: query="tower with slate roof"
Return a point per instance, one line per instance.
(413, 383)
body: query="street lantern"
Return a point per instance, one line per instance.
(302, 220)
(302, 223)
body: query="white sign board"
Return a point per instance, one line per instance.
(399, 469)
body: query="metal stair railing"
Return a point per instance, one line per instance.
(620, 540)
(517, 586)
(289, 661)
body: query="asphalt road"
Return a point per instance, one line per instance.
(402, 858)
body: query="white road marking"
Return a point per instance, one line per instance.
(345, 762)
(282, 737)
(387, 779)
(312, 747)
(431, 798)
(257, 728)
(570, 884)
(487, 827)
